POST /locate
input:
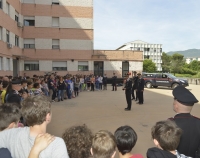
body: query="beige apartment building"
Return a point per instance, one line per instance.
(38, 36)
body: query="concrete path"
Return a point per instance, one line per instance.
(105, 110)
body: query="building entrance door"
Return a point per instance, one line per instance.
(125, 68)
(98, 68)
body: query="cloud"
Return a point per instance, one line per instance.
(173, 23)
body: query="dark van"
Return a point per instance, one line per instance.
(163, 79)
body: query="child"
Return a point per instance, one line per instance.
(103, 145)
(126, 139)
(37, 88)
(166, 136)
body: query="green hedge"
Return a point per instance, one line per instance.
(188, 71)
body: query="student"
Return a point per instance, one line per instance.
(3, 93)
(166, 136)
(9, 118)
(37, 89)
(81, 137)
(103, 145)
(36, 110)
(126, 139)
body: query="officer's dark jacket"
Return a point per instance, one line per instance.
(134, 81)
(5, 153)
(190, 139)
(128, 86)
(105, 79)
(114, 79)
(140, 84)
(13, 97)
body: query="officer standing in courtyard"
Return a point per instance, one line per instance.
(114, 82)
(134, 81)
(140, 88)
(128, 91)
(190, 140)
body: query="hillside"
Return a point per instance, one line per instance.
(187, 53)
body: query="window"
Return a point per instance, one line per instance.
(31, 65)
(59, 65)
(155, 50)
(7, 8)
(29, 21)
(16, 16)
(83, 66)
(1, 33)
(7, 36)
(1, 4)
(8, 64)
(146, 49)
(0, 63)
(55, 22)
(29, 43)
(55, 2)
(146, 56)
(17, 41)
(161, 50)
(55, 44)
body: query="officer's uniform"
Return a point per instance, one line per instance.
(134, 81)
(140, 89)
(13, 96)
(190, 139)
(114, 83)
(128, 91)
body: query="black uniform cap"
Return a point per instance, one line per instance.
(16, 82)
(184, 96)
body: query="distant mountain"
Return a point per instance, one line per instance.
(187, 53)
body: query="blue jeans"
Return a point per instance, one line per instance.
(97, 85)
(69, 94)
(60, 94)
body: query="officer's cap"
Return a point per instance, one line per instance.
(138, 73)
(134, 72)
(16, 82)
(184, 96)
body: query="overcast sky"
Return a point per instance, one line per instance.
(173, 23)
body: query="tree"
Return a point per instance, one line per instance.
(195, 65)
(166, 61)
(149, 66)
(177, 63)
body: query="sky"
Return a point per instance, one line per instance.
(173, 23)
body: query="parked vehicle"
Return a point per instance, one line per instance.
(163, 79)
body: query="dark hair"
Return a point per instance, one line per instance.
(167, 133)
(35, 109)
(23, 81)
(5, 84)
(29, 83)
(9, 113)
(36, 85)
(78, 137)
(126, 139)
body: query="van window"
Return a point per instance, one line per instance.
(158, 76)
(148, 75)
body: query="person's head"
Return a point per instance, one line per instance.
(16, 85)
(5, 84)
(36, 85)
(60, 78)
(5, 78)
(166, 135)
(78, 136)
(134, 73)
(183, 100)
(139, 75)
(126, 139)
(9, 116)
(24, 83)
(103, 145)
(29, 85)
(36, 110)
(24, 94)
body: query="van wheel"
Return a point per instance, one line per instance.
(175, 85)
(148, 85)
(155, 86)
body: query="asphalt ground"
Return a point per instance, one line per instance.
(104, 110)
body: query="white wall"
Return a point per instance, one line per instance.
(43, 43)
(72, 66)
(76, 44)
(135, 66)
(112, 65)
(43, 21)
(45, 65)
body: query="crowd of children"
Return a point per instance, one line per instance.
(34, 108)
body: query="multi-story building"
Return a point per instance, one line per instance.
(38, 36)
(190, 59)
(150, 51)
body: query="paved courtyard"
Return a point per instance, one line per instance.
(105, 110)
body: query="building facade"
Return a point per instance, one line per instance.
(150, 51)
(190, 59)
(39, 36)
